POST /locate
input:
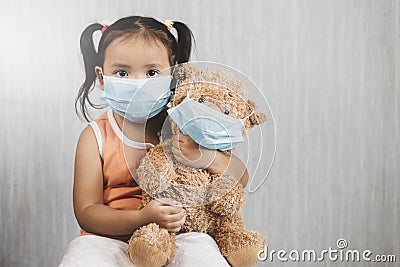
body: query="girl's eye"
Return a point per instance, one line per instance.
(152, 73)
(121, 73)
(226, 112)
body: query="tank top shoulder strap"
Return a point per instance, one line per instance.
(99, 137)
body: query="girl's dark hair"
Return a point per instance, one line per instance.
(148, 28)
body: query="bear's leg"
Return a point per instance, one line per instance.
(151, 246)
(240, 246)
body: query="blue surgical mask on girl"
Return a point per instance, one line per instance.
(206, 126)
(137, 100)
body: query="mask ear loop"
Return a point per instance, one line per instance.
(100, 75)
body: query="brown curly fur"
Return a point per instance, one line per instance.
(159, 174)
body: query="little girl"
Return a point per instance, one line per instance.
(106, 197)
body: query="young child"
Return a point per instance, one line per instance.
(106, 197)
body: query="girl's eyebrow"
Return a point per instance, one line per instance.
(153, 65)
(120, 65)
(125, 66)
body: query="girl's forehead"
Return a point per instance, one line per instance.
(137, 51)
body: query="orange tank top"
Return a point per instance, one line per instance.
(120, 191)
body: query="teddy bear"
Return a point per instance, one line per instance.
(212, 202)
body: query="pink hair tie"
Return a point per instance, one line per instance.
(104, 28)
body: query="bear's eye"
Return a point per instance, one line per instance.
(201, 99)
(226, 112)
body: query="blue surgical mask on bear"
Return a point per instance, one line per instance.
(206, 126)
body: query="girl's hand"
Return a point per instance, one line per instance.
(168, 216)
(189, 153)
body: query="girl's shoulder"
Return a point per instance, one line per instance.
(91, 134)
(87, 147)
(98, 128)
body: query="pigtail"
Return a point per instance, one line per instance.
(90, 60)
(185, 37)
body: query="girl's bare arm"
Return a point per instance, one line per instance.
(91, 213)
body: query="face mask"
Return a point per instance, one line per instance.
(137, 100)
(206, 126)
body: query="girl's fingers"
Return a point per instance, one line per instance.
(175, 147)
(176, 224)
(177, 153)
(182, 221)
(183, 138)
(173, 211)
(177, 138)
(176, 217)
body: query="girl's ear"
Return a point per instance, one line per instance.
(99, 74)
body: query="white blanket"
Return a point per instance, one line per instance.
(194, 249)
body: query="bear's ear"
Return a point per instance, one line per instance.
(257, 117)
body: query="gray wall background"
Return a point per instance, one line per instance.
(330, 70)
